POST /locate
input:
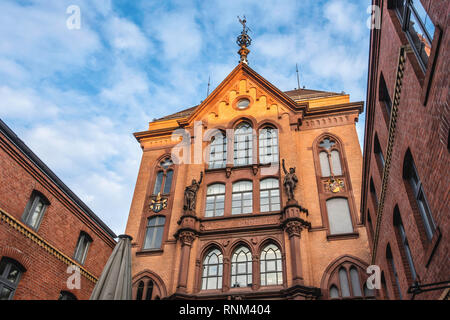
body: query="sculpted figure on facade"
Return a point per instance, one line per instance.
(289, 182)
(190, 194)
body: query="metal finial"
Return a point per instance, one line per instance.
(244, 41)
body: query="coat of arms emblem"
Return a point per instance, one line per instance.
(158, 204)
(335, 185)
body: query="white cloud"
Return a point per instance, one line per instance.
(125, 36)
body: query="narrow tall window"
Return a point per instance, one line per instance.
(403, 242)
(343, 281)
(242, 197)
(269, 195)
(378, 154)
(82, 247)
(243, 144)
(373, 193)
(215, 200)
(164, 177)
(270, 266)
(385, 98)
(329, 157)
(268, 145)
(35, 210)
(10, 273)
(158, 182)
(356, 285)
(418, 27)
(218, 151)
(324, 164)
(339, 217)
(140, 290)
(241, 267)
(154, 233)
(411, 175)
(212, 270)
(149, 293)
(393, 272)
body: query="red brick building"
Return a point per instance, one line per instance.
(44, 229)
(405, 187)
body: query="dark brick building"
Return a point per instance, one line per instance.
(405, 187)
(44, 229)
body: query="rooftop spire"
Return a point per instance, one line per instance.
(244, 41)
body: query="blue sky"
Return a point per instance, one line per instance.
(76, 96)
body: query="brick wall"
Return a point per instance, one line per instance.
(62, 222)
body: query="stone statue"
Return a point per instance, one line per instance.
(190, 194)
(289, 182)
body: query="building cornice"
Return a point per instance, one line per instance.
(41, 242)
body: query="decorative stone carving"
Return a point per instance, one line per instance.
(293, 228)
(186, 237)
(290, 182)
(190, 194)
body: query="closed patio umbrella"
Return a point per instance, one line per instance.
(115, 280)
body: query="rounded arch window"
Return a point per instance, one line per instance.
(243, 103)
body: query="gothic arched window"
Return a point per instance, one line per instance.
(154, 232)
(146, 289)
(215, 200)
(335, 194)
(164, 177)
(268, 145)
(348, 281)
(270, 266)
(241, 267)
(218, 151)
(339, 218)
(242, 197)
(212, 270)
(269, 195)
(330, 160)
(243, 144)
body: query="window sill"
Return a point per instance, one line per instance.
(432, 246)
(148, 252)
(342, 236)
(242, 215)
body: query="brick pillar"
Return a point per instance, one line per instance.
(294, 222)
(186, 235)
(294, 229)
(186, 238)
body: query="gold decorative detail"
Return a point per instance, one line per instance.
(33, 236)
(158, 204)
(335, 185)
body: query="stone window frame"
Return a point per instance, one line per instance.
(227, 252)
(147, 213)
(331, 279)
(325, 195)
(251, 172)
(147, 227)
(146, 276)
